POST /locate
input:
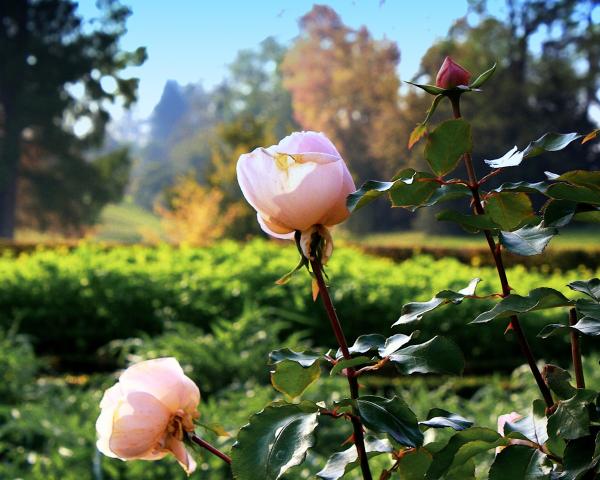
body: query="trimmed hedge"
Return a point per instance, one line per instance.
(72, 301)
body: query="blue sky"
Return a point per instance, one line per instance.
(194, 40)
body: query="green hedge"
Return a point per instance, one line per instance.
(71, 302)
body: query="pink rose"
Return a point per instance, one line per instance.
(451, 75)
(507, 418)
(297, 184)
(146, 414)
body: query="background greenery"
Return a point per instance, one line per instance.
(71, 317)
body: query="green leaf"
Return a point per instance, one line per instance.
(484, 77)
(581, 456)
(461, 448)
(581, 178)
(368, 192)
(390, 416)
(574, 193)
(538, 299)
(446, 145)
(528, 240)
(558, 380)
(470, 223)
(412, 189)
(589, 324)
(367, 343)
(571, 419)
(417, 134)
(549, 142)
(292, 379)
(528, 187)
(532, 427)
(438, 355)
(415, 310)
(559, 213)
(413, 465)
(276, 439)
(431, 89)
(351, 362)
(591, 287)
(394, 343)
(439, 418)
(518, 461)
(343, 462)
(306, 359)
(509, 209)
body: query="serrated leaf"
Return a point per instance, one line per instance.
(276, 439)
(549, 142)
(350, 362)
(438, 355)
(470, 223)
(461, 448)
(368, 192)
(343, 462)
(412, 189)
(413, 465)
(581, 456)
(512, 158)
(582, 178)
(559, 213)
(292, 379)
(527, 240)
(415, 310)
(446, 145)
(518, 461)
(417, 134)
(590, 136)
(367, 343)
(528, 187)
(574, 193)
(439, 418)
(484, 77)
(390, 416)
(538, 299)
(558, 380)
(394, 343)
(571, 419)
(306, 359)
(591, 287)
(509, 209)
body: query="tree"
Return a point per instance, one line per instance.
(55, 74)
(344, 83)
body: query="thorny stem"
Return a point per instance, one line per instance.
(359, 437)
(575, 350)
(207, 446)
(497, 254)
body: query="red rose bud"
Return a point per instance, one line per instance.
(452, 74)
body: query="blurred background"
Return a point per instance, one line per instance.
(125, 235)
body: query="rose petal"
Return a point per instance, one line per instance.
(305, 142)
(177, 448)
(273, 229)
(339, 212)
(139, 422)
(164, 379)
(110, 401)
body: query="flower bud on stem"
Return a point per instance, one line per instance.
(497, 255)
(359, 437)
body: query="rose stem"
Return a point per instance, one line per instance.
(359, 438)
(207, 446)
(575, 350)
(497, 254)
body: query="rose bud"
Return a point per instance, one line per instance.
(297, 184)
(451, 75)
(146, 414)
